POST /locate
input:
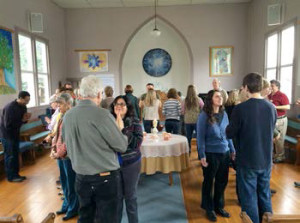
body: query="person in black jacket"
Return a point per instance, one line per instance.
(13, 116)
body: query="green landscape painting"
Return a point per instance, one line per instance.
(7, 74)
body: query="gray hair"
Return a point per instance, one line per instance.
(65, 98)
(277, 83)
(90, 86)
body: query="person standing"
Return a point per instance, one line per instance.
(217, 86)
(13, 116)
(190, 108)
(172, 110)
(214, 150)
(252, 124)
(109, 92)
(130, 161)
(150, 107)
(93, 140)
(67, 175)
(282, 104)
(133, 100)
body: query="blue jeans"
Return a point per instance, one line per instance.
(100, 197)
(172, 126)
(130, 178)
(254, 192)
(11, 158)
(67, 180)
(190, 128)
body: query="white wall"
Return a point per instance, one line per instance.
(169, 40)
(201, 25)
(258, 28)
(14, 13)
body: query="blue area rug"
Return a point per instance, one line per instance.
(158, 202)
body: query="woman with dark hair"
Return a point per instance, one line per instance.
(214, 151)
(130, 161)
(172, 110)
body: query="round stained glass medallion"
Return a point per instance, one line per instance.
(157, 62)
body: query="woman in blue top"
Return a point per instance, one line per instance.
(214, 152)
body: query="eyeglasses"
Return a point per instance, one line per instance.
(120, 104)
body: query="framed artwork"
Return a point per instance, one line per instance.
(7, 74)
(220, 61)
(93, 61)
(157, 62)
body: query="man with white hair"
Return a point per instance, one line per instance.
(93, 139)
(217, 86)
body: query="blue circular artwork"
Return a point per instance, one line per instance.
(157, 62)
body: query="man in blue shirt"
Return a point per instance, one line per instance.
(13, 116)
(252, 124)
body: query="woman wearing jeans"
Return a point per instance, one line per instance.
(214, 150)
(191, 108)
(172, 110)
(130, 161)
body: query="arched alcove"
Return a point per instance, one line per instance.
(171, 40)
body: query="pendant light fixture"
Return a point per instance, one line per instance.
(155, 31)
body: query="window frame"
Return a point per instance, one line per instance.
(278, 30)
(33, 37)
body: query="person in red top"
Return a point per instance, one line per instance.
(282, 104)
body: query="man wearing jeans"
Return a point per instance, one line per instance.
(252, 124)
(282, 104)
(13, 116)
(93, 139)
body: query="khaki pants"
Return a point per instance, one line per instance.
(281, 126)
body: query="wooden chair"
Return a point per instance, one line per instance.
(270, 218)
(17, 218)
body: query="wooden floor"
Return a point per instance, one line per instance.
(285, 201)
(37, 196)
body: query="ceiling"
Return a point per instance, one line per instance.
(135, 3)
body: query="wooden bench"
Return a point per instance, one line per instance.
(33, 131)
(292, 138)
(31, 134)
(17, 218)
(273, 218)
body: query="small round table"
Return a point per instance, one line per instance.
(163, 156)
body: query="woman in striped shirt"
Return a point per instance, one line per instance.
(172, 110)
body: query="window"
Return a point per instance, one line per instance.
(279, 64)
(34, 70)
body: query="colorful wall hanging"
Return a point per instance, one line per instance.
(93, 61)
(7, 74)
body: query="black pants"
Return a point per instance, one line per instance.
(216, 172)
(99, 198)
(11, 158)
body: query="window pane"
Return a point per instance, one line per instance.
(41, 58)
(287, 45)
(43, 89)
(272, 51)
(25, 53)
(28, 85)
(286, 81)
(271, 74)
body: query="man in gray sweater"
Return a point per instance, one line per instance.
(93, 139)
